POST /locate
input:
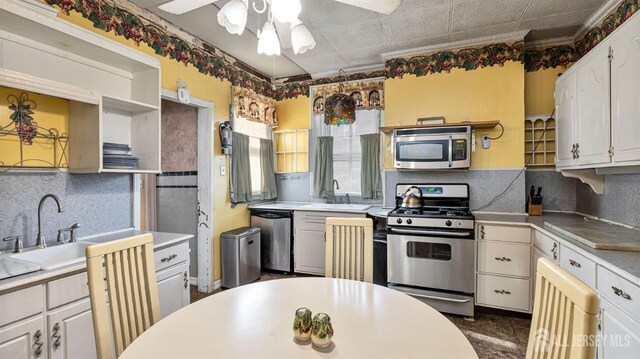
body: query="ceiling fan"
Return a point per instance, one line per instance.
(233, 16)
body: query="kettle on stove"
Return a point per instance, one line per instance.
(410, 199)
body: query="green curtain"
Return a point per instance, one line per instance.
(370, 181)
(240, 169)
(269, 190)
(323, 169)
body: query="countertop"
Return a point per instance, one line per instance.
(308, 206)
(160, 240)
(625, 263)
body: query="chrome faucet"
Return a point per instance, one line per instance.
(348, 198)
(41, 242)
(336, 186)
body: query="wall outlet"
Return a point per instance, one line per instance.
(486, 142)
(223, 170)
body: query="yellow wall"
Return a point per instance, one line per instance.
(538, 90)
(487, 94)
(210, 89)
(51, 112)
(294, 114)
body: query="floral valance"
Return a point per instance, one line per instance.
(367, 94)
(254, 107)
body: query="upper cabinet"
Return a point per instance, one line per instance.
(625, 93)
(565, 96)
(113, 89)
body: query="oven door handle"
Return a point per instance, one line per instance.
(429, 233)
(450, 151)
(440, 298)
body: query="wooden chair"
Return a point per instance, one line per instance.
(565, 315)
(128, 266)
(349, 248)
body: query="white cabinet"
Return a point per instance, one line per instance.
(625, 92)
(593, 115)
(503, 266)
(619, 333)
(23, 340)
(309, 239)
(173, 288)
(71, 332)
(309, 251)
(565, 96)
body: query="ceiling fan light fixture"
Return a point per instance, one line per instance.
(301, 38)
(268, 41)
(286, 10)
(233, 16)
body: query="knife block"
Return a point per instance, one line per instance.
(534, 209)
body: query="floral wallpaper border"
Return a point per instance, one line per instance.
(445, 61)
(301, 88)
(562, 56)
(109, 17)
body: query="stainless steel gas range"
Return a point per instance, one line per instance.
(431, 247)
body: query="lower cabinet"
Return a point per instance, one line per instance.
(173, 288)
(619, 334)
(71, 332)
(25, 339)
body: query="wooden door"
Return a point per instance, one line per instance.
(309, 247)
(70, 332)
(23, 340)
(173, 288)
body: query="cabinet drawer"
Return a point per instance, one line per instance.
(504, 258)
(67, 290)
(508, 293)
(624, 294)
(547, 245)
(316, 221)
(494, 232)
(579, 266)
(21, 304)
(166, 257)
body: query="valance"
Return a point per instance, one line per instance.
(366, 94)
(254, 107)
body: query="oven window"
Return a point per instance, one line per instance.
(433, 251)
(423, 151)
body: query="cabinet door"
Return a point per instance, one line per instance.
(309, 249)
(70, 332)
(565, 98)
(23, 340)
(173, 288)
(625, 93)
(620, 335)
(593, 116)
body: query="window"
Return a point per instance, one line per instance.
(347, 153)
(255, 131)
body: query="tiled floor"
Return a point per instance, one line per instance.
(493, 336)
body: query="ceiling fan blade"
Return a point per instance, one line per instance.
(382, 6)
(180, 7)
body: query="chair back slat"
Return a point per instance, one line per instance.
(349, 248)
(131, 288)
(564, 315)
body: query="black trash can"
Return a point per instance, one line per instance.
(380, 257)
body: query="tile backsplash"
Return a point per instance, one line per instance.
(99, 202)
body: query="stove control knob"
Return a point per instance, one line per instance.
(399, 220)
(448, 223)
(409, 221)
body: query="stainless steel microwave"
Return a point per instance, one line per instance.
(432, 148)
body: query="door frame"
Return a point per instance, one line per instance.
(206, 138)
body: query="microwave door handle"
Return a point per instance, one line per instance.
(450, 151)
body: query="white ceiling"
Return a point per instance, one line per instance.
(350, 37)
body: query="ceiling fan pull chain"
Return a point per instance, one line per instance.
(264, 7)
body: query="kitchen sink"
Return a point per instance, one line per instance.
(55, 257)
(338, 207)
(11, 267)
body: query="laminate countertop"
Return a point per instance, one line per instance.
(574, 229)
(160, 240)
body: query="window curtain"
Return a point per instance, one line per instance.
(370, 181)
(240, 169)
(269, 190)
(323, 168)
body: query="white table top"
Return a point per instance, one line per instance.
(256, 320)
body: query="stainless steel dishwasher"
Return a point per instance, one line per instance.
(276, 239)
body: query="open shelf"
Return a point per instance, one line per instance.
(475, 124)
(134, 107)
(544, 153)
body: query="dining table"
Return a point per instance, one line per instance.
(256, 321)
